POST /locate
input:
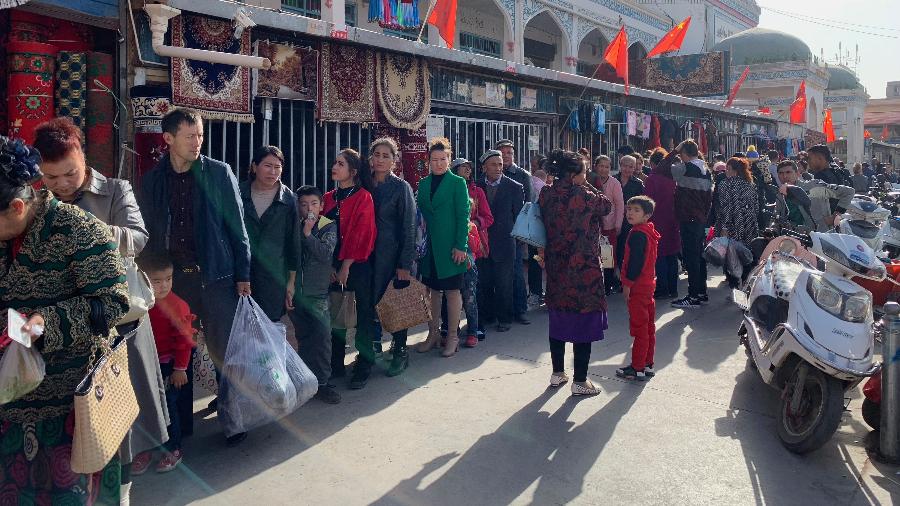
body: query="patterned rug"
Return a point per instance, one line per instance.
(347, 90)
(4, 23)
(413, 144)
(100, 114)
(218, 91)
(691, 75)
(148, 105)
(30, 94)
(71, 79)
(403, 89)
(293, 75)
(28, 27)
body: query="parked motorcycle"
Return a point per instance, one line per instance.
(865, 219)
(871, 406)
(809, 332)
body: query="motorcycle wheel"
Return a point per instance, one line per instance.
(819, 413)
(871, 412)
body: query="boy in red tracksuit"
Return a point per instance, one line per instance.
(639, 282)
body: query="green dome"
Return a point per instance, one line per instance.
(762, 45)
(841, 78)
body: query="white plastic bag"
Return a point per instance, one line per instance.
(264, 378)
(21, 371)
(716, 251)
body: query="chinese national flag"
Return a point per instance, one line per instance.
(828, 127)
(884, 133)
(616, 54)
(443, 16)
(798, 107)
(737, 87)
(867, 134)
(672, 40)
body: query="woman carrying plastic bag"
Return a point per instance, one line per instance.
(267, 380)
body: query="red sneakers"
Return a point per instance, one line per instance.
(141, 463)
(169, 462)
(471, 342)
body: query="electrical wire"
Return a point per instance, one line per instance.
(838, 27)
(831, 20)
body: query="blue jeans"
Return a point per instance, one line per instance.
(172, 395)
(520, 292)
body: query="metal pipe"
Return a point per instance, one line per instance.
(159, 24)
(890, 384)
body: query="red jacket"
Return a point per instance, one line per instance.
(356, 224)
(171, 320)
(639, 264)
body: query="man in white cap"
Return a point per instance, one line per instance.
(495, 273)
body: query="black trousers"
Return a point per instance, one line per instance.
(495, 290)
(312, 328)
(535, 274)
(360, 283)
(582, 357)
(693, 234)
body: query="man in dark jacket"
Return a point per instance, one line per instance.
(822, 166)
(693, 198)
(193, 211)
(495, 273)
(523, 177)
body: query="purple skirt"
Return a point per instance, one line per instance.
(577, 327)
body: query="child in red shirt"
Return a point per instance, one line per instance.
(639, 283)
(171, 320)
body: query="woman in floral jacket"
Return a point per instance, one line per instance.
(573, 212)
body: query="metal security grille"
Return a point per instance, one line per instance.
(309, 146)
(607, 143)
(471, 137)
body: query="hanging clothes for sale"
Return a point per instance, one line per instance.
(701, 136)
(645, 126)
(667, 132)
(573, 120)
(599, 119)
(654, 133)
(631, 122)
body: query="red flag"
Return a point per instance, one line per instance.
(884, 133)
(867, 134)
(616, 54)
(737, 86)
(765, 110)
(828, 127)
(798, 107)
(672, 40)
(443, 16)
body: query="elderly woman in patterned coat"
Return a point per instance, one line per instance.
(60, 268)
(573, 212)
(736, 207)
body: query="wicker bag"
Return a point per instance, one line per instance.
(105, 408)
(404, 308)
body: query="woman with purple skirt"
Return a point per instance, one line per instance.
(573, 211)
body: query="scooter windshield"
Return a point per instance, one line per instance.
(864, 229)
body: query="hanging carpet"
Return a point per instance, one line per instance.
(148, 105)
(30, 93)
(218, 91)
(4, 22)
(71, 80)
(347, 90)
(100, 114)
(293, 75)
(413, 165)
(690, 75)
(404, 91)
(28, 27)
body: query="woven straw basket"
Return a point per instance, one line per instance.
(404, 308)
(105, 409)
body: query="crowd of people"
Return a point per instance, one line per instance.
(204, 240)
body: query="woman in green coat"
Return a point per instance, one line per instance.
(443, 200)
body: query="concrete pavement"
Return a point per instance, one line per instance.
(482, 428)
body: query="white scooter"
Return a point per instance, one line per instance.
(809, 333)
(865, 219)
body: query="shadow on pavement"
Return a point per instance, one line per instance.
(814, 475)
(558, 454)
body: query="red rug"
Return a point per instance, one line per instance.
(28, 27)
(148, 105)
(30, 94)
(347, 85)
(413, 144)
(100, 114)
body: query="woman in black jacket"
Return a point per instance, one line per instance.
(395, 223)
(270, 215)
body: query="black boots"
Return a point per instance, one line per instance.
(399, 360)
(361, 371)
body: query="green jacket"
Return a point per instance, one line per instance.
(447, 220)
